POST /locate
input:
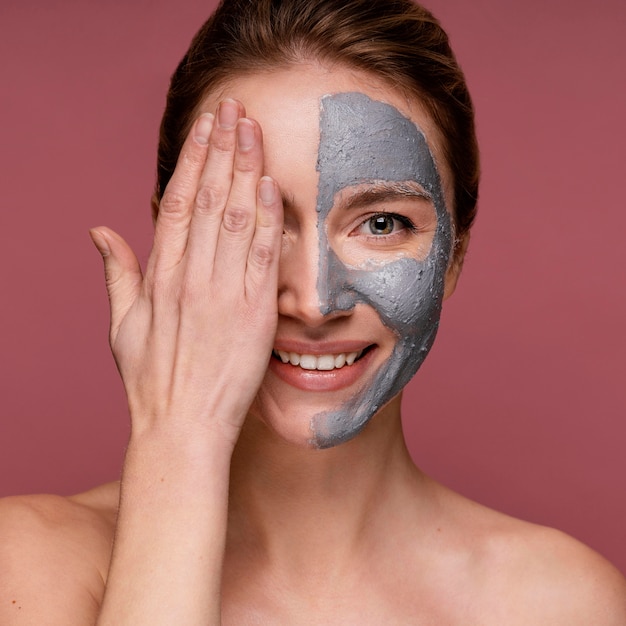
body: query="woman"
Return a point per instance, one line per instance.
(317, 182)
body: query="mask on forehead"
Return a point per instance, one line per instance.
(362, 140)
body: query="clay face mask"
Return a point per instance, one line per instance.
(361, 141)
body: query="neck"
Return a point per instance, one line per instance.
(296, 508)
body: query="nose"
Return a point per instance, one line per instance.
(306, 291)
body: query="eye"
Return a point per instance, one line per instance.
(384, 224)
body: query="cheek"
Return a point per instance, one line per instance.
(406, 293)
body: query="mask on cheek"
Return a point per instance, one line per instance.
(363, 140)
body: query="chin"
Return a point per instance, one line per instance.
(290, 426)
(315, 424)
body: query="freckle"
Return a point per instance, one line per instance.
(14, 601)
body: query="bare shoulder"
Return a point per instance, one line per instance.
(531, 574)
(560, 580)
(54, 555)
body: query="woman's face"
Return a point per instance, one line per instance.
(367, 239)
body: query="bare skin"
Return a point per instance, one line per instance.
(503, 571)
(227, 514)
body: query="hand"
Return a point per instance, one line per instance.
(192, 339)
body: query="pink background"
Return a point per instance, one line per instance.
(522, 403)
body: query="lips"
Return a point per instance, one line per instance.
(323, 369)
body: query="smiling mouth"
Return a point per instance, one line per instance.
(320, 362)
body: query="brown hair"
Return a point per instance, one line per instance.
(397, 40)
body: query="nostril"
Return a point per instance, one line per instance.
(342, 301)
(336, 296)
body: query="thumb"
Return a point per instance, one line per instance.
(122, 273)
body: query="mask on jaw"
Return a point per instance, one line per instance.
(363, 140)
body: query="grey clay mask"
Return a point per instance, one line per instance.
(363, 140)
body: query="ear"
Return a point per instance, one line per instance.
(154, 204)
(456, 264)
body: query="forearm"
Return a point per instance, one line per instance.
(179, 334)
(169, 545)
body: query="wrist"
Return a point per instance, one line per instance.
(180, 455)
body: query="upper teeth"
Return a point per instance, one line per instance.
(319, 362)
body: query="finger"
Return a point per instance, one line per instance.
(261, 279)
(239, 220)
(176, 205)
(121, 271)
(214, 189)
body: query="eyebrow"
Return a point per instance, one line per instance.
(379, 192)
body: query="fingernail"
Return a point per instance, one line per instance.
(204, 125)
(245, 135)
(267, 190)
(228, 114)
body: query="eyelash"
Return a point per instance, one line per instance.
(405, 221)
